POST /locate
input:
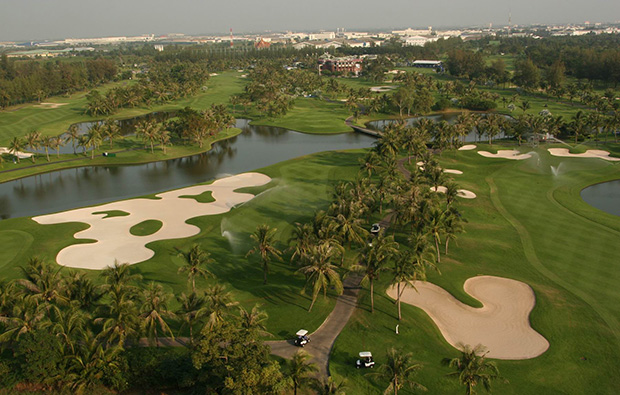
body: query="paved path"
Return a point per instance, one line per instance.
(322, 340)
(360, 129)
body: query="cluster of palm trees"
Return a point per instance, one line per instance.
(93, 324)
(160, 83)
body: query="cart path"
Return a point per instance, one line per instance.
(323, 339)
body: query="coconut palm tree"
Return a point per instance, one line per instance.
(303, 237)
(330, 386)
(436, 227)
(47, 143)
(118, 319)
(253, 322)
(93, 139)
(472, 368)
(112, 131)
(399, 370)
(154, 311)
(299, 370)
(265, 246)
(15, 147)
(193, 308)
(412, 265)
(83, 290)
(219, 303)
(56, 143)
(118, 279)
(195, 261)
(320, 273)
(69, 325)
(374, 259)
(33, 141)
(73, 135)
(42, 282)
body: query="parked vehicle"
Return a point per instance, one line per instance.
(365, 360)
(302, 338)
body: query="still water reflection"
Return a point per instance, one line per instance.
(604, 196)
(255, 147)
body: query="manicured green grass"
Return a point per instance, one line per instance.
(298, 188)
(205, 197)
(532, 226)
(18, 121)
(310, 115)
(146, 228)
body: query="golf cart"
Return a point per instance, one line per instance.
(375, 229)
(365, 360)
(302, 338)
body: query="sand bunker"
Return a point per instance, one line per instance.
(19, 154)
(506, 154)
(382, 88)
(467, 147)
(463, 193)
(452, 171)
(591, 153)
(115, 242)
(52, 105)
(502, 324)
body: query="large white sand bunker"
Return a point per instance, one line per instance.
(112, 233)
(506, 154)
(501, 325)
(19, 154)
(463, 193)
(591, 153)
(452, 171)
(467, 147)
(386, 88)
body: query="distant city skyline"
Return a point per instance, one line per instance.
(25, 20)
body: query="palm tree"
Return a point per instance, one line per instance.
(320, 273)
(411, 266)
(303, 237)
(73, 134)
(111, 130)
(193, 308)
(253, 322)
(472, 368)
(83, 290)
(89, 364)
(330, 386)
(154, 311)
(298, 370)
(15, 147)
(119, 320)
(33, 141)
(453, 225)
(93, 139)
(195, 260)
(56, 143)
(218, 302)
(47, 143)
(43, 283)
(374, 259)
(118, 279)
(436, 227)
(69, 325)
(264, 246)
(399, 369)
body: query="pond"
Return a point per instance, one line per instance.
(604, 196)
(449, 117)
(255, 147)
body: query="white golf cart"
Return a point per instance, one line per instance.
(365, 360)
(302, 338)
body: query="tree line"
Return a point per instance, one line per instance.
(32, 80)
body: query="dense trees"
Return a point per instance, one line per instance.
(23, 81)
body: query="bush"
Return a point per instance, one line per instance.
(441, 104)
(160, 368)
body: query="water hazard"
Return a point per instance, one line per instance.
(255, 147)
(604, 196)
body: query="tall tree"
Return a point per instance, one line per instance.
(472, 369)
(320, 273)
(154, 310)
(265, 247)
(299, 370)
(196, 261)
(399, 370)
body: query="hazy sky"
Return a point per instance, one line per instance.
(55, 19)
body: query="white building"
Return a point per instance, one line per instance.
(322, 36)
(412, 32)
(418, 40)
